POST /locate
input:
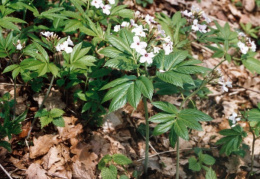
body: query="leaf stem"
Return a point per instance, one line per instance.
(41, 106)
(253, 151)
(14, 98)
(146, 138)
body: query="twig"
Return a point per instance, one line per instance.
(6, 172)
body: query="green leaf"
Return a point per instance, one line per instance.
(111, 52)
(55, 112)
(162, 117)
(191, 69)
(109, 173)
(105, 160)
(133, 95)
(118, 101)
(6, 145)
(210, 174)
(252, 65)
(145, 86)
(171, 77)
(173, 137)
(121, 159)
(119, 44)
(122, 63)
(21, 117)
(207, 159)
(126, 13)
(118, 81)
(174, 59)
(10, 68)
(165, 106)
(45, 120)
(53, 69)
(123, 177)
(194, 114)
(59, 122)
(181, 130)
(194, 164)
(191, 123)
(122, 88)
(163, 128)
(41, 113)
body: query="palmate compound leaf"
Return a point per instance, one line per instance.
(133, 95)
(194, 164)
(232, 140)
(122, 63)
(118, 81)
(119, 43)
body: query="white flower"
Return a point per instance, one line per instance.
(243, 48)
(69, 41)
(162, 71)
(106, 9)
(132, 22)
(233, 118)
(252, 45)
(241, 34)
(47, 33)
(167, 48)
(139, 31)
(117, 28)
(198, 27)
(138, 45)
(19, 45)
(137, 13)
(97, 3)
(147, 57)
(149, 19)
(156, 49)
(125, 24)
(206, 18)
(162, 32)
(65, 46)
(195, 9)
(167, 39)
(187, 13)
(111, 1)
(225, 84)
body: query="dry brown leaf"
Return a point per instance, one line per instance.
(112, 120)
(35, 171)
(42, 145)
(70, 130)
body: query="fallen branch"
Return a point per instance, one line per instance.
(6, 172)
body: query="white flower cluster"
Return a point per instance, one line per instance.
(105, 8)
(141, 32)
(19, 45)
(65, 46)
(248, 45)
(225, 84)
(196, 15)
(47, 34)
(234, 119)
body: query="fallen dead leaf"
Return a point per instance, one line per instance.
(35, 171)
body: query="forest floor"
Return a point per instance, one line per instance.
(76, 149)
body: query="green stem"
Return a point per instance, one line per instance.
(14, 98)
(253, 151)
(146, 138)
(41, 106)
(178, 158)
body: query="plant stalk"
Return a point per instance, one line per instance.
(178, 158)
(146, 138)
(14, 99)
(41, 106)
(253, 151)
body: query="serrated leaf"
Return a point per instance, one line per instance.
(252, 65)
(194, 114)
(6, 145)
(194, 164)
(45, 120)
(170, 77)
(119, 44)
(55, 112)
(121, 159)
(181, 130)
(10, 68)
(111, 52)
(53, 69)
(191, 123)
(118, 101)
(191, 69)
(59, 122)
(162, 117)
(174, 59)
(173, 137)
(207, 159)
(133, 95)
(122, 88)
(122, 63)
(145, 86)
(118, 81)
(165, 106)
(109, 173)
(162, 128)
(210, 174)
(102, 163)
